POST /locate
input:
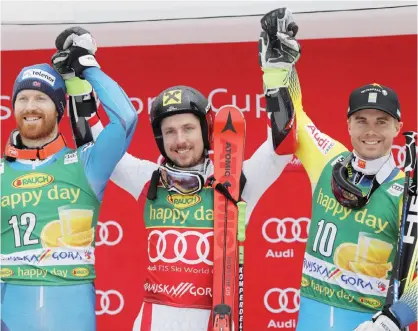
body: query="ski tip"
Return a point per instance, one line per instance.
(230, 108)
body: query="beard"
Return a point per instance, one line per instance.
(39, 129)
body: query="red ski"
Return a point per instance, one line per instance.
(229, 138)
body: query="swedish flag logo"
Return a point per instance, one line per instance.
(172, 97)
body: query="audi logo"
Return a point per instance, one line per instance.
(111, 302)
(287, 230)
(173, 246)
(277, 300)
(110, 233)
(399, 155)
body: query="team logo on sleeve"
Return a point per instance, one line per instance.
(322, 141)
(70, 158)
(396, 190)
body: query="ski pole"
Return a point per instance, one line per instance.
(408, 238)
(242, 206)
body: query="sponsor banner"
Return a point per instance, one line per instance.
(50, 257)
(36, 273)
(331, 274)
(178, 290)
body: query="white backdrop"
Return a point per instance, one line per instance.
(157, 23)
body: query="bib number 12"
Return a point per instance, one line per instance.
(28, 220)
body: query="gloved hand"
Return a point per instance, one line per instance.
(76, 49)
(279, 20)
(277, 46)
(382, 321)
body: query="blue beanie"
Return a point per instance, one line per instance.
(44, 78)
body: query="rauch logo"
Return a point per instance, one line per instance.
(6, 272)
(34, 180)
(80, 272)
(183, 201)
(370, 302)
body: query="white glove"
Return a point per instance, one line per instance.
(380, 322)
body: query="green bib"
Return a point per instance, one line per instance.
(174, 210)
(350, 252)
(48, 221)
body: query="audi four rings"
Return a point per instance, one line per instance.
(181, 247)
(288, 230)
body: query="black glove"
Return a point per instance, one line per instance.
(277, 46)
(76, 49)
(279, 20)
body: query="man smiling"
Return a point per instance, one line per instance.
(373, 124)
(51, 196)
(357, 198)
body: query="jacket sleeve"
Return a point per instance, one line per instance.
(101, 157)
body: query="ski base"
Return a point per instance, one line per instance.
(229, 139)
(222, 318)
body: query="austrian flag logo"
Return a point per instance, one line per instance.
(362, 164)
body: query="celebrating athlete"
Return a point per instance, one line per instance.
(51, 194)
(357, 197)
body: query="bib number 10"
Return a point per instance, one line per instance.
(325, 238)
(26, 219)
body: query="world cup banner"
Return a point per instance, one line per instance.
(227, 73)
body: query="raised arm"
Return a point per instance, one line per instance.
(76, 57)
(314, 149)
(268, 162)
